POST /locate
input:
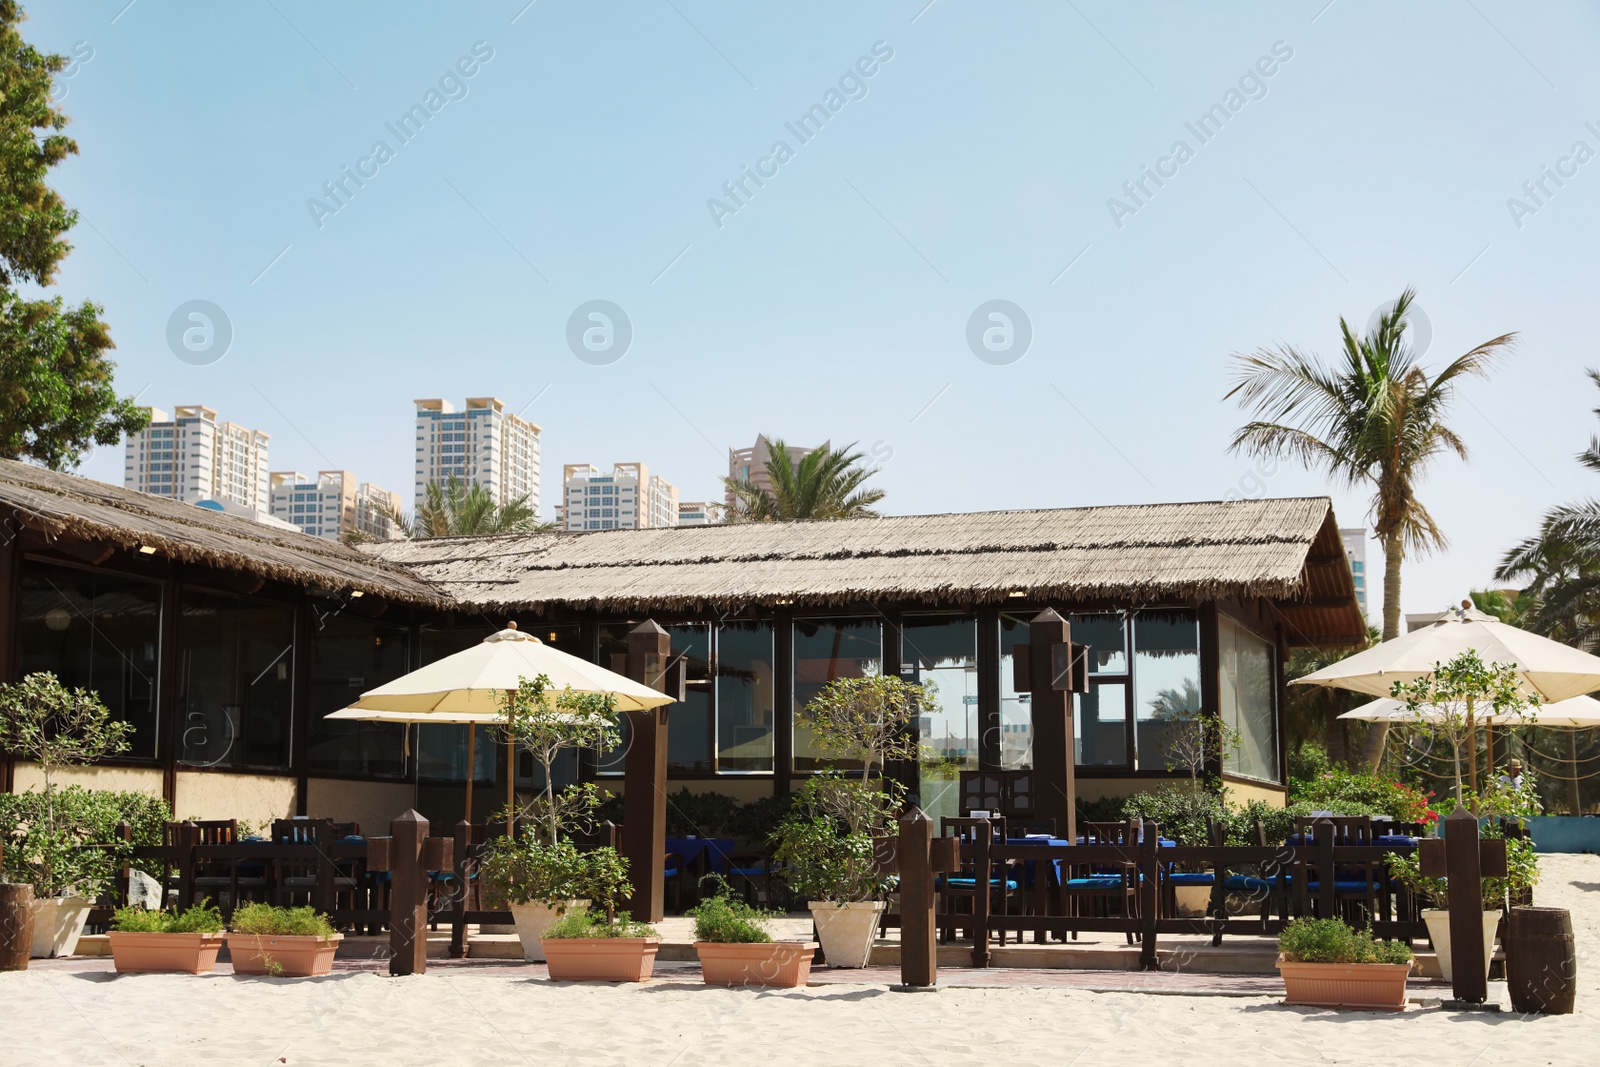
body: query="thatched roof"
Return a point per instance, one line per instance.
(63, 507)
(1287, 551)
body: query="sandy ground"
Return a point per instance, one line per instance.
(479, 1016)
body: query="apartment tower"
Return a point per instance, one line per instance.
(483, 445)
(333, 505)
(192, 457)
(629, 497)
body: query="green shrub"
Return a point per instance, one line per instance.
(758, 820)
(528, 871)
(264, 919)
(581, 922)
(199, 919)
(1373, 794)
(1331, 941)
(724, 917)
(1182, 812)
(1102, 809)
(1307, 761)
(85, 851)
(826, 843)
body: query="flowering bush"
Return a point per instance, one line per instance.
(1383, 795)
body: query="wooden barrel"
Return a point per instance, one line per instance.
(1541, 963)
(16, 926)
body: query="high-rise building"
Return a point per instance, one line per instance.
(192, 457)
(751, 463)
(700, 513)
(483, 445)
(627, 498)
(1355, 547)
(333, 505)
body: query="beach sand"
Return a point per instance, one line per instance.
(487, 1014)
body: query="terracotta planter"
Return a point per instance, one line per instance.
(601, 959)
(1438, 920)
(847, 931)
(144, 953)
(532, 920)
(782, 964)
(57, 925)
(283, 955)
(1368, 986)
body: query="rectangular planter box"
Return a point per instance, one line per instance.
(284, 956)
(148, 953)
(779, 964)
(601, 959)
(1368, 986)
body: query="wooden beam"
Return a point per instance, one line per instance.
(644, 797)
(1056, 790)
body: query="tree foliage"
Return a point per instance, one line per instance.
(868, 719)
(548, 723)
(456, 509)
(1373, 418)
(1459, 691)
(827, 483)
(57, 399)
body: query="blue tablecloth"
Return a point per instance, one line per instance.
(1391, 840)
(716, 851)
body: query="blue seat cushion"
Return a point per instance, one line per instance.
(670, 872)
(1099, 881)
(748, 872)
(970, 883)
(1191, 878)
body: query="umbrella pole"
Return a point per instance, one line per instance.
(472, 765)
(511, 770)
(1472, 751)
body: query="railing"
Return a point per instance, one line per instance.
(1283, 873)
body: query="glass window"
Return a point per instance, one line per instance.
(95, 630)
(1100, 731)
(823, 652)
(744, 687)
(1107, 640)
(1246, 679)
(945, 652)
(1016, 717)
(348, 657)
(1166, 680)
(236, 684)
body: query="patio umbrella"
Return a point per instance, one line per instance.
(468, 687)
(1576, 713)
(1553, 671)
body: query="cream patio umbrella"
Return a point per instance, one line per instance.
(1548, 668)
(1575, 713)
(468, 687)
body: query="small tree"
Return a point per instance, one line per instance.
(871, 719)
(56, 726)
(547, 724)
(1455, 694)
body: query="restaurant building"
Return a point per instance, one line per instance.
(225, 643)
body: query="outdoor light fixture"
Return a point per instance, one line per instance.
(356, 594)
(147, 550)
(1016, 593)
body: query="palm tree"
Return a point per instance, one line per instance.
(458, 510)
(1562, 565)
(1375, 417)
(825, 484)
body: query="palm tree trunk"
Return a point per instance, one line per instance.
(1378, 732)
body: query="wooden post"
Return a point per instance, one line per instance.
(408, 895)
(1149, 902)
(982, 871)
(919, 945)
(644, 798)
(1465, 861)
(1050, 707)
(458, 907)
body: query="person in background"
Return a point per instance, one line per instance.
(1513, 775)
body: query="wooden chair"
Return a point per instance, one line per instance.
(1100, 885)
(964, 884)
(301, 880)
(1352, 882)
(753, 872)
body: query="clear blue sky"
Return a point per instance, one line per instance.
(975, 164)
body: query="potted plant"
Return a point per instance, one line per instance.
(1522, 872)
(583, 946)
(827, 843)
(1325, 964)
(736, 948)
(153, 941)
(282, 942)
(541, 875)
(42, 720)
